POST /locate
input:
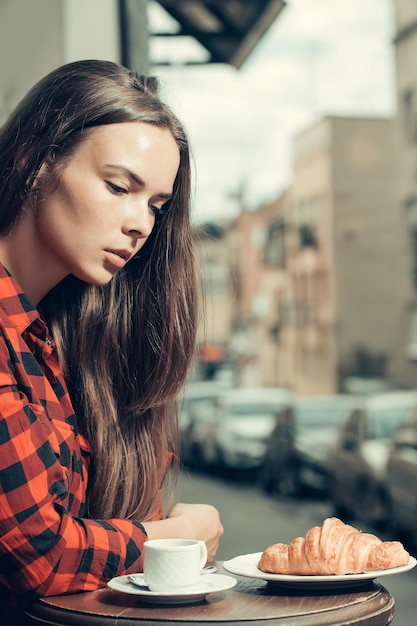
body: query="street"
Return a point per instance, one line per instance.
(253, 521)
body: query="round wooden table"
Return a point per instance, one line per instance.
(250, 603)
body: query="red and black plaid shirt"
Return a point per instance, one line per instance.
(47, 546)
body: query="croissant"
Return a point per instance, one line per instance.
(333, 548)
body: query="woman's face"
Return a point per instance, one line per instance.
(101, 210)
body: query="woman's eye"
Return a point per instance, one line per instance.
(160, 210)
(117, 189)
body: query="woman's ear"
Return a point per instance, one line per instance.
(21, 165)
(40, 176)
(21, 162)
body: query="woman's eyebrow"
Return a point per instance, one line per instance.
(128, 172)
(133, 176)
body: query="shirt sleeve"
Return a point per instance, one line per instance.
(43, 547)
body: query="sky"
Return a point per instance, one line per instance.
(320, 57)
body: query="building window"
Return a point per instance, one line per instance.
(215, 277)
(412, 342)
(308, 236)
(410, 114)
(411, 221)
(275, 245)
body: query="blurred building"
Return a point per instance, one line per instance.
(216, 283)
(321, 273)
(275, 291)
(240, 265)
(346, 273)
(255, 242)
(406, 178)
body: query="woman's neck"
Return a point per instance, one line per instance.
(22, 255)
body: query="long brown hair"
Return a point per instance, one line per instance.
(125, 348)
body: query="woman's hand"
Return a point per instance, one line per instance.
(203, 521)
(189, 521)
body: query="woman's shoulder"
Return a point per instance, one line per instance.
(16, 310)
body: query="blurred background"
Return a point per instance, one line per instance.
(302, 117)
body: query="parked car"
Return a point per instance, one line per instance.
(298, 446)
(402, 481)
(196, 412)
(244, 419)
(358, 459)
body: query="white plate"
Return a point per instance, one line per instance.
(247, 565)
(208, 584)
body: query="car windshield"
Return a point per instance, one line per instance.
(256, 408)
(320, 416)
(383, 423)
(201, 399)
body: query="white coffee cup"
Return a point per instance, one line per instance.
(172, 564)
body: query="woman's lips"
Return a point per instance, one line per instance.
(117, 258)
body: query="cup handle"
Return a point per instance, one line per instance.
(203, 553)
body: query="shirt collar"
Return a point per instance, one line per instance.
(15, 302)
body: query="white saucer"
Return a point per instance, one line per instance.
(207, 584)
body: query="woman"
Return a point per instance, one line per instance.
(97, 321)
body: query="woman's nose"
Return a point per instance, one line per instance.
(139, 222)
